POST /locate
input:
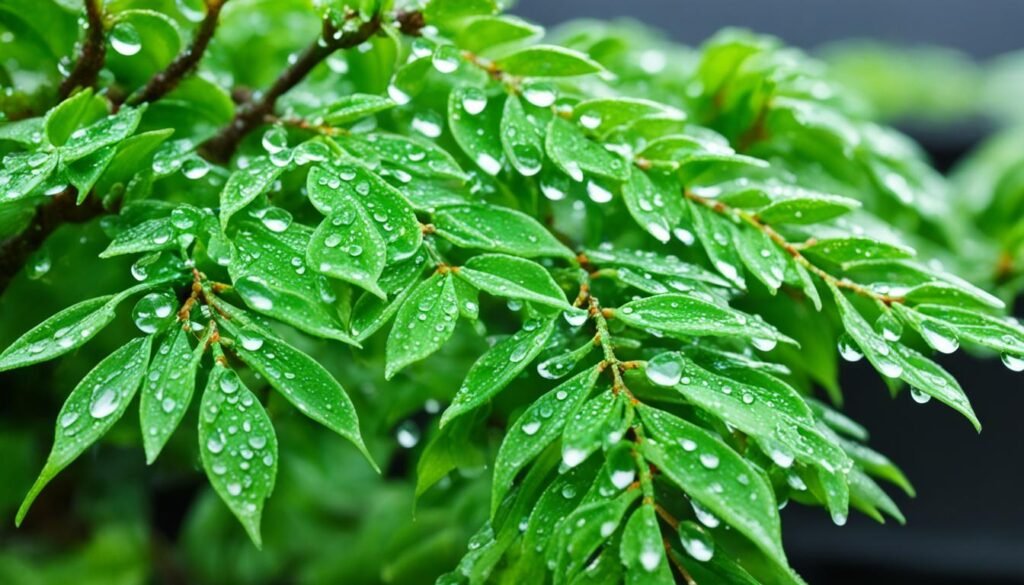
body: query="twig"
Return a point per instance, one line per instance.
(186, 61)
(220, 147)
(94, 51)
(793, 250)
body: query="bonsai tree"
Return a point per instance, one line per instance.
(592, 289)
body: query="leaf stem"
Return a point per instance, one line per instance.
(186, 61)
(92, 55)
(793, 250)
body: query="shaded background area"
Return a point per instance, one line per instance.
(967, 523)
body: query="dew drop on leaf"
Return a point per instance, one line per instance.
(665, 369)
(125, 39)
(696, 541)
(1014, 363)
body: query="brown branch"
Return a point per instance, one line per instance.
(251, 114)
(165, 81)
(793, 250)
(94, 51)
(61, 209)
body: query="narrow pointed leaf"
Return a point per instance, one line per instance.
(678, 314)
(92, 408)
(537, 428)
(474, 119)
(513, 278)
(574, 153)
(715, 476)
(497, 229)
(642, 550)
(238, 447)
(346, 246)
(522, 140)
(498, 366)
(167, 390)
(423, 323)
(299, 378)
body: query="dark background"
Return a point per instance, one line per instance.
(967, 523)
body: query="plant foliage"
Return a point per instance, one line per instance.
(641, 261)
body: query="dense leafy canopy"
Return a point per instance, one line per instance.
(631, 253)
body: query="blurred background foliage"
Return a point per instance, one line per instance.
(114, 521)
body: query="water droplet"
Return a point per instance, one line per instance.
(848, 348)
(621, 478)
(427, 123)
(696, 542)
(572, 457)
(408, 434)
(709, 460)
(250, 342)
(665, 369)
(104, 402)
(939, 337)
(275, 140)
(125, 39)
(473, 100)
(153, 311)
(764, 344)
(542, 95)
(919, 396)
(195, 168)
(890, 328)
(531, 427)
(276, 219)
(1013, 362)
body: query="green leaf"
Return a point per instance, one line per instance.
(537, 428)
(353, 107)
(423, 323)
(370, 312)
(415, 156)
(452, 447)
(27, 132)
(716, 477)
(91, 410)
(498, 366)
(513, 278)
(23, 173)
(717, 234)
(245, 185)
(869, 497)
(347, 246)
(762, 256)
(655, 202)
(600, 422)
(522, 140)
(678, 314)
(999, 333)
(642, 551)
(65, 330)
(576, 155)
(148, 236)
(167, 391)
(238, 447)
(446, 12)
(497, 229)
(583, 531)
(800, 206)
(269, 271)
(332, 188)
(474, 119)
(653, 262)
(843, 250)
(547, 61)
(603, 115)
(897, 361)
(109, 130)
(83, 107)
(299, 378)
(773, 415)
(480, 33)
